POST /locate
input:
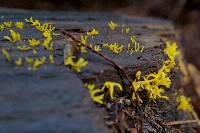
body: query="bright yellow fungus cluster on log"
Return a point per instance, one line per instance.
(153, 85)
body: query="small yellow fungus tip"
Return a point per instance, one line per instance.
(111, 86)
(125, 29)
(115, 48)
(134, 47)
(35, 62)
(76, 66)
(84, 39)
(95, 93)
(23, 48)
(171, 50)
(8, 24)
(2, 27)
(33, 42)
(14, 37)
(33, 22)
(82, 48)
(184, 103)
(6, 54)
(112, 25)
(51, 59)
(18, 61)
(93, 32)
(19, 25)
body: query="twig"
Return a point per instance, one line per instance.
(182, 122)
(194, 114)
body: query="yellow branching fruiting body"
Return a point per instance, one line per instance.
(171, 50)
(47, 43)
(84, 43)
(8, 24)
(45, 28)
(18, 61)
(84, 40)
(184, 103)
(29, 60)
(19, 25)
(95, 93)
(2, 27)
(35, 62)
(155, 83)
(125, 30)
(76, 66)
(97, 48)
(39, 62)
(138, 75)
(134, 47)
(115, 48)
(14, 37)
(6, 54)
(47, 34)
(112, 25)
(34, 51)
(51, 58)
(93, 33)
(23, 48)
(111, 87)
(33, 42)
(133, 39)
(32, 22)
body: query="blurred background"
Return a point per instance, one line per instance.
(184, 13)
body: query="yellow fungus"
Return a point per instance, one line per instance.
(6, 54)
(51, 59)
(23, 48)
(125, 29)
(84, 40)
(19, 25)
(2, 27)
(18, 61)
(93, 33)
(94, 93)
(97, 48)
(29, 60)
(112, 25)
(134, 47)
(76, 66)
(33, 22)
(14, 37)
(111, 86)
(171, 50)
(47, 43)
(34, 51)
(8, 24)
(184, 103)
(155, 83)
(115, 48)
(38, 62)
(33, 42)
(133, 39)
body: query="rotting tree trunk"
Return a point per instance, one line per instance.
(53, 99)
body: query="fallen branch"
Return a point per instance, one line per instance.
(182, 122)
